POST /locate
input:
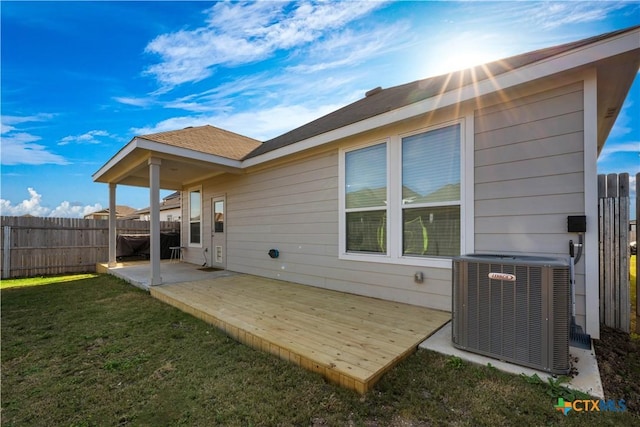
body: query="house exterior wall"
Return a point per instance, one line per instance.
(529, 176)
(293, 207)
(525, 177)
(165, 215)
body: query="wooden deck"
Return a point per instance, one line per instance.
(351, 340)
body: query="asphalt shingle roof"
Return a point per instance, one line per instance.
(385, 100)
(212, 140)
(207, 139)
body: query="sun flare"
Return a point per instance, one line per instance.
(461, 60)
(462, 53)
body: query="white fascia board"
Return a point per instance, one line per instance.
(591, 244)
(117, 158)
(569, 60)
(187, 153)
(157, 147)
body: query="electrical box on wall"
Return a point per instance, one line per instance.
(577, 224)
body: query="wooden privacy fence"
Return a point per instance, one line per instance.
(613, 222)
(34, 246)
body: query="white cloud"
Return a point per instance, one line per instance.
(15, 120)
(33, 206)
(622, 126)
(26, 207)
(86, 138)
(20, 148)
(268, 123)
(136, 102)
(241, 33)
(73, 210)
(349, 48)
(6, 128)
(613, 148)
(260, 91)
(551, 15)
(261, 125)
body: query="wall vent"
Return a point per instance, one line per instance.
(611, 111)
(513, 308)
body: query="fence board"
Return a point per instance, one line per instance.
(613, 221)
(46, 246)
(624, 252)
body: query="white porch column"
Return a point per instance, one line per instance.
(112, 224)
(154, 203)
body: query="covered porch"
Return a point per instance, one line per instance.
(172, 160)
(350, 340)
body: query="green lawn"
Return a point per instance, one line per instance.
(39, 281)
(96, 351)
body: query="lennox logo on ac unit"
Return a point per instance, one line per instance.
(502, 276)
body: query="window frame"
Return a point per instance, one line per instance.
(394, 254)
(362, 256)
(188, 216)
(403, 206)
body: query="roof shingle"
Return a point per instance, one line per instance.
(207, 139)
(385, 100)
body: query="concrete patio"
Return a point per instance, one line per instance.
(137, 272)
(584, 361)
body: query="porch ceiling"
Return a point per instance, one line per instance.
(615, 76)
(179, 167)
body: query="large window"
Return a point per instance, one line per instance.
(195, 217)
(366, 199)
(431, 193)
(401, 199)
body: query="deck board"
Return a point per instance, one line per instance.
(351, 340)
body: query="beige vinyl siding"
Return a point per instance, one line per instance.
(293, 207)
(528, 176)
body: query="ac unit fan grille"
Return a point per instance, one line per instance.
(525, 321)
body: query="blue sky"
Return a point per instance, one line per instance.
(80, 79)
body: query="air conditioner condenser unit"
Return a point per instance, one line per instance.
(513, 308)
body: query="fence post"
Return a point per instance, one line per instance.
(6, 252)
(624, 317)
(602, 194)
(610, 261)
(637, 263)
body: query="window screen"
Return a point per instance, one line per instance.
(366, 199)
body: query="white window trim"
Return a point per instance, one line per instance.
(342, 225)
(188, 216)
(394, 194)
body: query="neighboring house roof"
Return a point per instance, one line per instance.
(379, 101)
(172, 201)
(121, 210)
(207, 139)
(174, 195)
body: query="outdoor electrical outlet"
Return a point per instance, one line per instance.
(418, 277)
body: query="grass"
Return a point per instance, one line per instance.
(96, 351)
(39, 281)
